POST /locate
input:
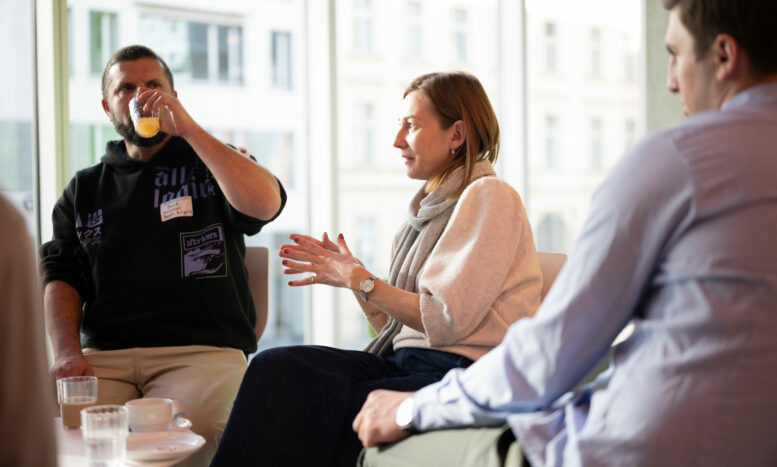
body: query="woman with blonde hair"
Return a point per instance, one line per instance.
(463, 269)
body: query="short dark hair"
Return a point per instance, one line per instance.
(130, 53)
(753, 23)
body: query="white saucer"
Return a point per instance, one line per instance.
(163, 445)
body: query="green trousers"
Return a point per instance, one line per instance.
(476, 447)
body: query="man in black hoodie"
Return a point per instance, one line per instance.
(145, 284)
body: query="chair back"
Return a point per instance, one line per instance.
(550, 265)
(257, 263)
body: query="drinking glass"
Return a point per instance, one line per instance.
(105, 429)
(73, 394)
(146, 122)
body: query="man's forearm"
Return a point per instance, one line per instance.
(62, 305)
(248, 186)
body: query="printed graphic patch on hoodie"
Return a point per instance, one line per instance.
(203, 253)
(91, 233)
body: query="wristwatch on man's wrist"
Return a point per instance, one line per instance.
(366, 286)
(404, 417)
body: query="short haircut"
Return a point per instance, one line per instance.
(130, 53)
(457, 95)
(753, 23)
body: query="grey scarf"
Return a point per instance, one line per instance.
(428, 217)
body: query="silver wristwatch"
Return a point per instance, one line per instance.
(404, 417)
(366, 286)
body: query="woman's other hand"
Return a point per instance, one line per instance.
(330, 263)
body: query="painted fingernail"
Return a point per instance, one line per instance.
(285, 251)
(340, 236)
(296, 240)
(285, 263)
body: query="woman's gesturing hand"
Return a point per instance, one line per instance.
(330, 263)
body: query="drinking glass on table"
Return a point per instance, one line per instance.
(73, 394)
(105, 429)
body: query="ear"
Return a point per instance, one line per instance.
(726, 56)
(106, 110)
(459, 134)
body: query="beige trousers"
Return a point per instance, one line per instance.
(203, 379)
(464, 447)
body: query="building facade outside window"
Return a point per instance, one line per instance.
(365, 134)
(365, 241)
(281, 59)
(221, 62)
(460, 43)
(629, 61)
(103, 32)
(17, 118)
(596, 53)
(412, 37)
(87, 143)
(595, 132)
(230, 54)
(550, 48)
(243, 93)
(362, 27)
(551, 234)
(629, 133)
(195, 50)
(551, 142)
(570, 154)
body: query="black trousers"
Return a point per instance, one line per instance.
(296, 404)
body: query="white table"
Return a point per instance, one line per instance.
(71, 451)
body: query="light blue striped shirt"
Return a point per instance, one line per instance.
(682, 239)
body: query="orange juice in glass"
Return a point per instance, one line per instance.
(146, 122)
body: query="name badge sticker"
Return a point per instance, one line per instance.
(179, 207)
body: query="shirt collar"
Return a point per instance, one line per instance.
(756, 93)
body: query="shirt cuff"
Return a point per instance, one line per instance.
(434, 405)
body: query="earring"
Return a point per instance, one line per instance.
(453, 151)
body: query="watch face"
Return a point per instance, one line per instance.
(404, 417)
(367, 285)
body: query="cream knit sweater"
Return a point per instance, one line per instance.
(481, 276)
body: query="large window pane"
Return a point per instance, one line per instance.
(230, 54)
(17, 150)
(102, 39)
(281, 59)
(373, 191)
(87, 143)
(412, 36)
(224, 83)
(198, 50)
(364, 134)
(550, 47)
(244, 76)
(583, 107)
(195, 50)
(460, 41)
(362, 26)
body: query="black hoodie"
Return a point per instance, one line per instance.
(146, 282)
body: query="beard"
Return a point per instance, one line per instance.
(131, 136)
